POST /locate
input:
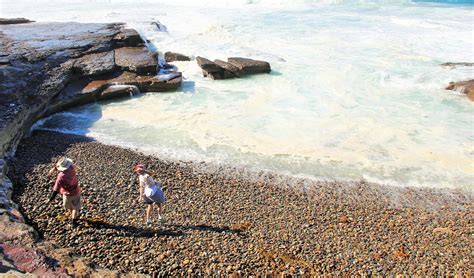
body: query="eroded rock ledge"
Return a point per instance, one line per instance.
(49, 67)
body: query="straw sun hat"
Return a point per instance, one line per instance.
(63, 164)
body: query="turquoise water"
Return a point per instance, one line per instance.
(356, 89)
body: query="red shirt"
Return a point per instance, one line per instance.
(66, 182)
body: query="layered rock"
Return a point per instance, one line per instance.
(173, 56)
(466, 87)
(136, 59)
(234, 67)
(95, 64)
(39, 60)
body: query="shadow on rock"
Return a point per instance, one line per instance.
(130, 231)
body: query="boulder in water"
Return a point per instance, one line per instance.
(233, 70)
(173, 56)
(466, 87)
(250, 66)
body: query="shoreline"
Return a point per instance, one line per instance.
(251, 227)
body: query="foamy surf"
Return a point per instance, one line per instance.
(356, 90)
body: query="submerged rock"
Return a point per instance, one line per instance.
(466, 87)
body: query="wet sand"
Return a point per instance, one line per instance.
(223, 221)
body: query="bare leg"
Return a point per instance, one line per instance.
(75, 214)
(160, 209)
(149, 209)
(161, 217)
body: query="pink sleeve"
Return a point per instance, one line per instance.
(58, 182)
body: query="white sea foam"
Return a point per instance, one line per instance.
(356, 89)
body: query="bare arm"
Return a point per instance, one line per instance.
(52, 170)
(140, 197)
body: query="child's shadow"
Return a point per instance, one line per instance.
(130, 231)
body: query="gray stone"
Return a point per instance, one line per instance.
(95, 64)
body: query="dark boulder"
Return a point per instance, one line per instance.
(210, 69)
(136, 59)
(128, 38)
(250, 66)
(455, 65)
(5, 21)
(228, 67)
(95, 64)
(173, 56)
(466, 87)
(208, 65)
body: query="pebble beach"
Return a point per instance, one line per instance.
(223, 221)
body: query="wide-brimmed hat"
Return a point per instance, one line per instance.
(63, 164)
(139, 168)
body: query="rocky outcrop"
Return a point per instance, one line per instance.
(455, 65)
(173, 56)
(234, 67)
(46, 68)
(39, 60)
(12, 225)
(466, 87)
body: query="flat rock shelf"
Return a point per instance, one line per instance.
(221, 223)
